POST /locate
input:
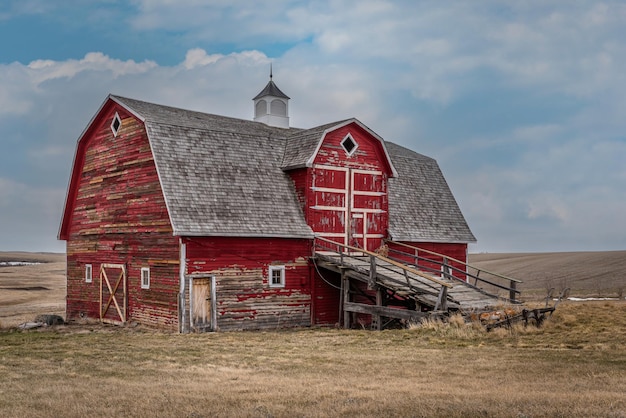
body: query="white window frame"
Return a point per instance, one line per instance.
(270, 273)
(88, 273)
(119, 121)
(353, 150)
(145, 284)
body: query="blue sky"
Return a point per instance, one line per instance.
(523, 104)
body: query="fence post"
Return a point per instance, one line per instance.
(372, 280)
(512, 291)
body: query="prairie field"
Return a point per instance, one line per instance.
(574, 365)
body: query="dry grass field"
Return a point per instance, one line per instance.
(26, 291)
(575, 365)
(600, 274)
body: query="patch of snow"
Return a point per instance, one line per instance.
(574, 299)
(17, 263)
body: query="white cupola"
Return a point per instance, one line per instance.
(271, 106)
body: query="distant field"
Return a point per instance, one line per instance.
(586, 273)
(26, 291)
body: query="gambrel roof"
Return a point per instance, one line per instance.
(224, 176)
(421, 205)
(220, 176)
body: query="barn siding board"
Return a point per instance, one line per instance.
(326, 298)
(368, 155)
(301, 181)
(119, 217)
(240, 265)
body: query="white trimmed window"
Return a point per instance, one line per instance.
(88, 273)
(145, 278)
(116, 124)
(349, 145)
(277, 276)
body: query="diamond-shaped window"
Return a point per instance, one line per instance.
(116, 124)
(349, 145)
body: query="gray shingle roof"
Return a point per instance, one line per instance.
(421, 205)
(301, 145)
(221, 176)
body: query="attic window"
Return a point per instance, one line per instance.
(116, 124)
(349, 145)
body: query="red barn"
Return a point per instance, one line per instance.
(186, 220)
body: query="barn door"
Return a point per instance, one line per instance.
(202, 303)
(113, 296)
(349, 206)
(366, 207)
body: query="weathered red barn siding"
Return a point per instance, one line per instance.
(457, 251)
(368, 155)
(244, 297)
(302, 182)
(343, 185)
(326, 298)
(119, 217)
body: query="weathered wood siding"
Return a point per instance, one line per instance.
(244, 297)
(302, 182)
(326, 298)
(118, 216)
(347, 198)
(368, 155)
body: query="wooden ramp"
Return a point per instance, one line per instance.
(401, 290)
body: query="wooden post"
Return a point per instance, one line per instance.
(341, 294)
(213, 305)
(372, 280)
(446, 269)
(345, 284)
(512, 291)
(379, 302)
(442, 300)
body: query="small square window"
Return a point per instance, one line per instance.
(349, 145)
(116, 124)
(277, 276)
(145, 278)
(88, 273)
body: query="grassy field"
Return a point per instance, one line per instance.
(575, 365)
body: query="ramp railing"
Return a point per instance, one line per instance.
(379, 263)
(448, 266)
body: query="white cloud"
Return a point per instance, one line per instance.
(44, 70)
(418, 73)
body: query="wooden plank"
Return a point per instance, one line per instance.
(385, 311)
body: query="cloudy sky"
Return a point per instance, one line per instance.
(523, 104)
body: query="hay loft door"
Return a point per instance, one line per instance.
(349, 206)
(113, 294)
(202, 303)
